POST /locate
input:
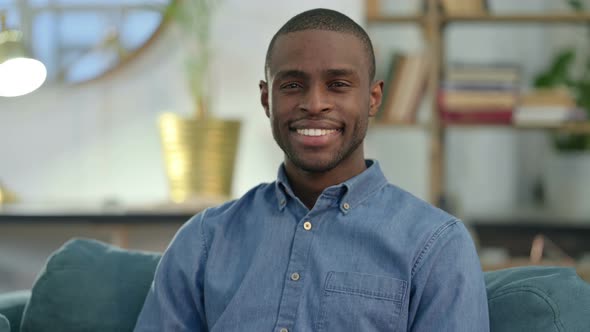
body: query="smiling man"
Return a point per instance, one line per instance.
(330, 245)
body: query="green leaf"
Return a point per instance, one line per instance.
(576, 5)
(193, 18)
(582, 90)
(544, 80)
(559, 70)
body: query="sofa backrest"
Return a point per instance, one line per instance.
(89, 286)
(12, 305)
(92, 286)
(4, 324)
(537, 298)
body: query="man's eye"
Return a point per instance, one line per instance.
(291, 85)
(338, 84)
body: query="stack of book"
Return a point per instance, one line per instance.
(479, 94)
(405, 86)
(547, 107)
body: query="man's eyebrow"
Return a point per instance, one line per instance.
(290, 73)
(299, 74)
(340, 72)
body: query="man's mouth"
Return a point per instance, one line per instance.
(316, 132)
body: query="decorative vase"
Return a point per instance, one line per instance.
(199, 155)
(567, 184)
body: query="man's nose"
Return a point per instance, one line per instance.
(316, 100)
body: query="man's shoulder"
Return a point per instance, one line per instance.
(431, 228)
(402, 202)
(414, 217)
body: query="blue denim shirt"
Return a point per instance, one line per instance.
(368, 257)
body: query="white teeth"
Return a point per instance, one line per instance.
(315, 132)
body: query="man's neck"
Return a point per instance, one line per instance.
(308, 186)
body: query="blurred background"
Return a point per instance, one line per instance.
(144, 112)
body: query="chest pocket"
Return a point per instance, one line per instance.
(360, 302)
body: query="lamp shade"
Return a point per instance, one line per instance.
(19, 74)
(11, 45)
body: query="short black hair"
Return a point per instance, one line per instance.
(325, 19)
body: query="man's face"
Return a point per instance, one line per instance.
(319, 97)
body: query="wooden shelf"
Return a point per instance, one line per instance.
(520, 18)
(476, 125)
(401, 19)
(571, 128)
(398, 125)
(572, 18)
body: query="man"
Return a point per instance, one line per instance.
(330, 245)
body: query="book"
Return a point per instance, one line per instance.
(483, 114)
(547, 115)
(494, 116)
(414, 84)
(548, 97)
(547, 107)
(408, 89)
(391, 85)
(473, 100)
(492, 75)
(478, 86)
(478, 75)
(479, 93)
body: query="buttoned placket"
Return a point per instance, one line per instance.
(297, 268)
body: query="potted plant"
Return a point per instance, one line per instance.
(567, 172)
(199, 150)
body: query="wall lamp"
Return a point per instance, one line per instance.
(19, 73)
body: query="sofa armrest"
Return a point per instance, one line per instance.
(12, 305)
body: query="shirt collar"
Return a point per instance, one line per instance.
(350, 193)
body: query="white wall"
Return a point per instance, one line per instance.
(99, 141)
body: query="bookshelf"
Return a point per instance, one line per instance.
(433, 23)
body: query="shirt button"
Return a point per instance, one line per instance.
(284, 330)
(346, 206)
(295, 276)
(307, 225)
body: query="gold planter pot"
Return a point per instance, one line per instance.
(6, 196)
(199, 155)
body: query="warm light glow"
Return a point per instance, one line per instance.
(19, 76)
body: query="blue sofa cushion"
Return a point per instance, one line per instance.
(538, 299)
(88, 285)
(12, 305)
(4, 324)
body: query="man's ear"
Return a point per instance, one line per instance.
(264, 96)
(376, 97)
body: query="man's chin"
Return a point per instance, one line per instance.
(316, 167)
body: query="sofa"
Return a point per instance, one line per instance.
(89, 285)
